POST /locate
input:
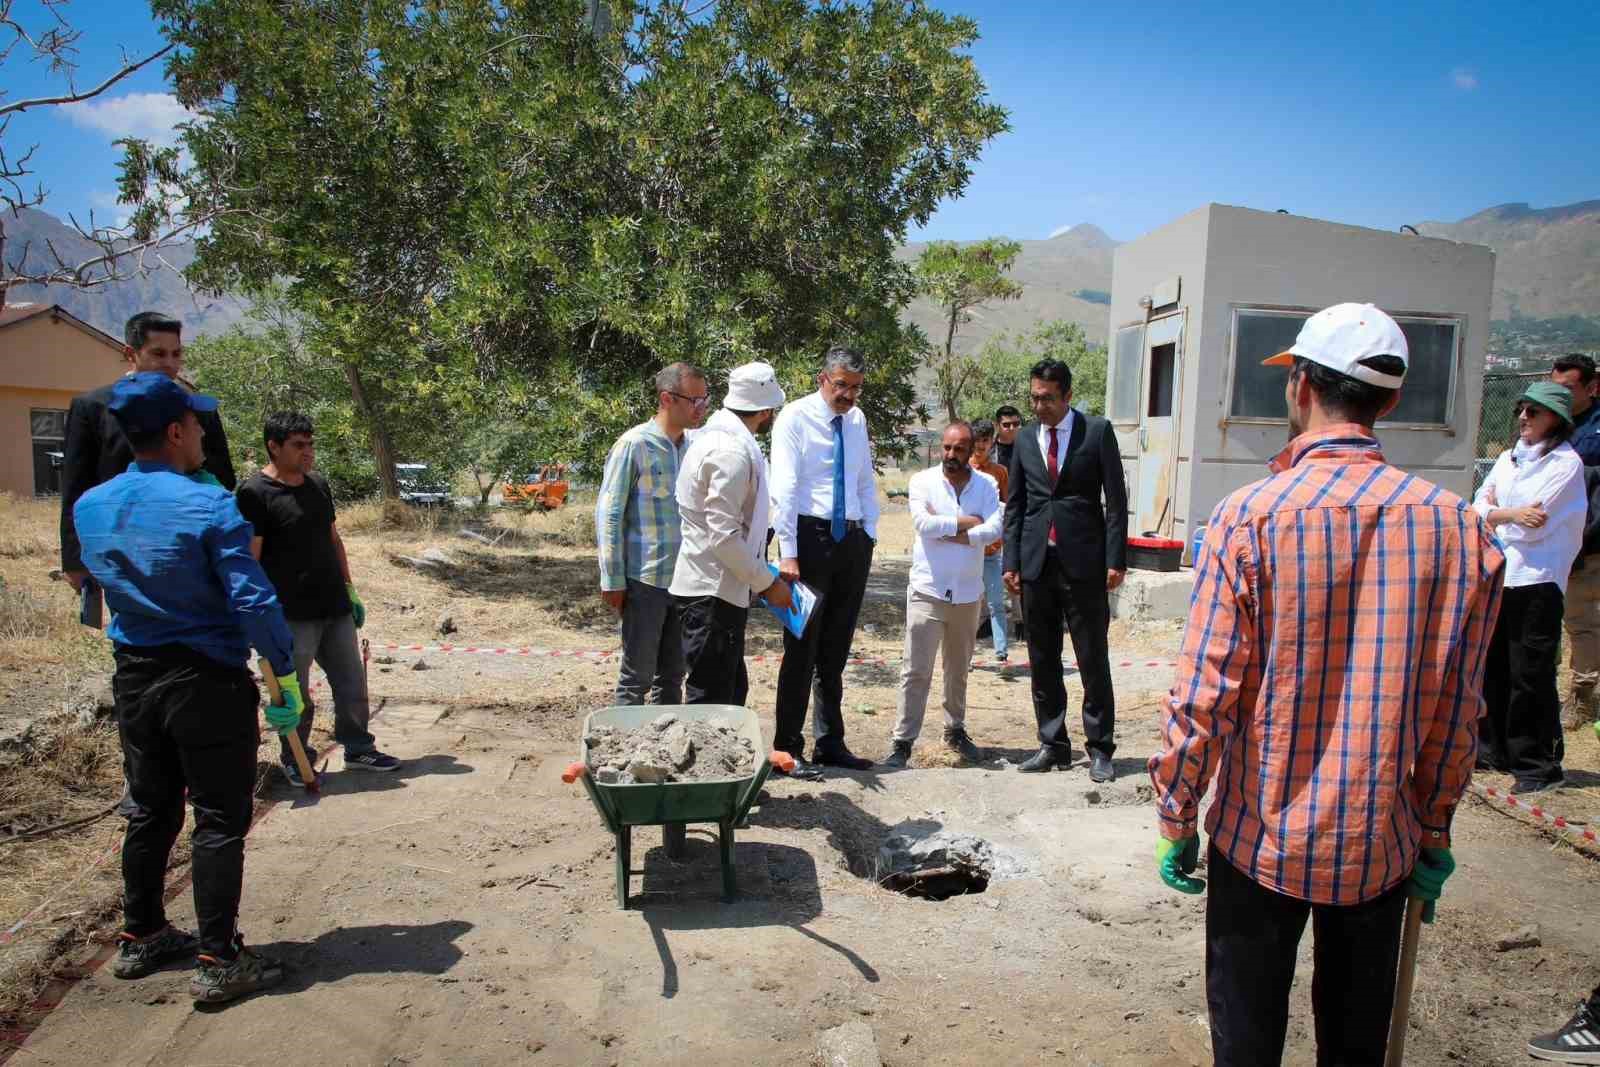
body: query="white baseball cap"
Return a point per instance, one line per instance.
(1341, 336)
(753, 387)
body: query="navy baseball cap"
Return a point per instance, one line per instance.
(149, 402)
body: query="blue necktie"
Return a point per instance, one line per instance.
(837, 528)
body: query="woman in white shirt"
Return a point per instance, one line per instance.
(1534, 498)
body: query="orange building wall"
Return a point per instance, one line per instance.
(44, 363)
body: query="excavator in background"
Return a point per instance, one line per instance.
(546, 490)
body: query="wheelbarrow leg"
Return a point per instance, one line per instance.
(730, 888)
(624, 863)
(674, 838)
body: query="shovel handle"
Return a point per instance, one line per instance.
(781, 761)
(573, 772)
(301, 764)
(1401, 1014)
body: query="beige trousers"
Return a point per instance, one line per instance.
(933, 625)
(1582, 620)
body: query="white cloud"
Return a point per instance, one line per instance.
(150, 116)
(1464, 78)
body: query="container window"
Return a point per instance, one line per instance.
(1125, 373)
(1163, 368)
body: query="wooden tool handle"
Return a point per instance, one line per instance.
(1401, 1015)
(301, 764)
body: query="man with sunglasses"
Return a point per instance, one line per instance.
(637, 527)
(1007, 421)
(825, 516)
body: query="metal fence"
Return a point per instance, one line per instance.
(1497, 418)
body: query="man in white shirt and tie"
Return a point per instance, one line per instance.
(825, 516)
(956, 512)
(723, 502)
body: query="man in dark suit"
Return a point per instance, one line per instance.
(1064, 552)
(97, 450)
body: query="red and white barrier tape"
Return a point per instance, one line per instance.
(1533, 808)
(601, 655)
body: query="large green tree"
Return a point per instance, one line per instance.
(961, 279)
(487, 201)
(1005, 360)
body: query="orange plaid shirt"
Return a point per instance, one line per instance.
(1332, 671)
(998, 473)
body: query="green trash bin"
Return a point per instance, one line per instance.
(674, 805)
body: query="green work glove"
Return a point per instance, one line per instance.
(358, 610)
(1176, 861)
(205, 477)
(286, 716)
(1434, 865)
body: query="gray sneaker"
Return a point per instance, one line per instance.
(139, 956)
(218, 981)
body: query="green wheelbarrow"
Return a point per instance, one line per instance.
(673, 805)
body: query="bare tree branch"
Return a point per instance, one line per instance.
(75, 97)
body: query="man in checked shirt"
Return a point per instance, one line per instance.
(1331, 677)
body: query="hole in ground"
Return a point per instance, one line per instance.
(935, 866)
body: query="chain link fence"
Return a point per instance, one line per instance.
(1497, 418)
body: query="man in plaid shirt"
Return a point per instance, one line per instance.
(637, 525)
(1331, 678)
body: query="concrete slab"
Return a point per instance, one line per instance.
(1153, 595)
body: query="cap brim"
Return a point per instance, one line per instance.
(201, 402)
(1282, 359)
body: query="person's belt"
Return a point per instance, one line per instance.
(827, 524)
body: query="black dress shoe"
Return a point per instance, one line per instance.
(803, 771)
(1048, 758)
(958, 741)
(899, 757)
(840, 757)
(1100, 768)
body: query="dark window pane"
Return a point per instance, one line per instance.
(1430, 372)
(1163, 365)
(1258, 390)
(48, 424)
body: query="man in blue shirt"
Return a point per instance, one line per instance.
(187, 600)
(1576, 371)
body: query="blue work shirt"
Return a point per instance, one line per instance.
(1585, 437)
(173, 556)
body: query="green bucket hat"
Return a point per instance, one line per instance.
(1549, 395)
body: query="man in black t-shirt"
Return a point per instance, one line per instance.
(298, 544)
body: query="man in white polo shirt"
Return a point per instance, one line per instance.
(956, 512)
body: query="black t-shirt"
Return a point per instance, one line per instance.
(295, 523)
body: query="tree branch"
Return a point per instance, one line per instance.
(75, 97)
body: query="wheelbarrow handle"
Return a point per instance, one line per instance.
(573, 772)
(781, 761)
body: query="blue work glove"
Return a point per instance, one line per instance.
(358, 610)
(286, 716)
(1176, 861)
(205, 477)
(1434, 865)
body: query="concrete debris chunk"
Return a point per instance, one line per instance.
(669, 749)
(850, 1045)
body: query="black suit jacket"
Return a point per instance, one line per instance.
(97, 450)
(1091, 537)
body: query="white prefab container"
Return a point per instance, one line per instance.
(1198, 304)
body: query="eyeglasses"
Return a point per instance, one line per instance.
(846, 390)
(697, 401)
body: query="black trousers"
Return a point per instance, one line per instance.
(1252, 934)
(1087, 609)
(1522, 732)
(187, 723)
(713, 650)
(837, 571)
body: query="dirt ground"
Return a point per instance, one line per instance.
(463, 910)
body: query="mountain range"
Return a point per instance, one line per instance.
(1547, 271)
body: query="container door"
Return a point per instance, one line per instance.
(1158, 427)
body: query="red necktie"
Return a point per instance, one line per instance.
(1055, 472)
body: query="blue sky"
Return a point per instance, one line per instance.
(1127, 116)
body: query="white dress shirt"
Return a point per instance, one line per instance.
(723, 501)
(802, 470)
(1555, 480)
(1063, 436)
(948, 570)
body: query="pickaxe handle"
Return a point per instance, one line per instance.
(1402, 987)
(303, 765)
